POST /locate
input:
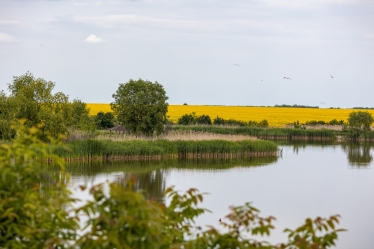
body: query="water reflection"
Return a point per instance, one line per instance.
(358, 154)
(299, 145)
(151, 175)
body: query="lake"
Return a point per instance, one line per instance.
(307, 180)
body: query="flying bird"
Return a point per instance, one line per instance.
(331, 76)
(286, 78)
(236, 65)
(322, 103)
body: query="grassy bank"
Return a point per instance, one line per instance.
(90, 149)
(264, 133)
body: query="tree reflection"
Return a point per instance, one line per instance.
(150, 176)
(358, 154)
(152, 183)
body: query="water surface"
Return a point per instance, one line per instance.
(308, 180)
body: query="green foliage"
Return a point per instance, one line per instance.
(268, 133)
(306, 236)
(204, 120)
(32, 99)
(34, 202)
(80, 118)
(187, 119)
(263, 123)
(141, 106)
(322, 122)
(36, 212)
(104, 120)
(297, 125)
(358, 123)
(7, 116)
(230, 122)
(191, 119)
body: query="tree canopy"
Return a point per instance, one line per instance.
(140, 105)
(359, 122)
(104, 120)
(32, 99)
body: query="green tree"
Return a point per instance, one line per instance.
(263, 123)
(80, 116)
(104, 120)
(358, 123)
(32, 99)
(8, 112)
(141, 106)
(204, 119)
(187, 119)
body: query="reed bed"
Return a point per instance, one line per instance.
(264, 133)
(104, 150)
(178, 135)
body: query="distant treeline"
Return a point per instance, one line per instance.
(322, 122)
(297, 106)
(193, 119)
(366, 108)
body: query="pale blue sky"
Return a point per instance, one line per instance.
(87, 48)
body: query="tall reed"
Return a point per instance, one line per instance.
(265, 133)
(90, 149)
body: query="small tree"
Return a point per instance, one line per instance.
(358, 123)
(204, 119)
(187, 119)
(218, 121)
(263, 123)
(141, 106)
(104, 120)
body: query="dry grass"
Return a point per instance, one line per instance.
(178, 135)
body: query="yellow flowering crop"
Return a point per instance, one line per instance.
(276, 116)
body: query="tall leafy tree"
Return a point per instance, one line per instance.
(141, 106)
(32, 99)
(80, 114)
(358, 123)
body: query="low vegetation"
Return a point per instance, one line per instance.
(93, 149)
(268, 133)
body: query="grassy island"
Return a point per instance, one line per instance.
(94, 149)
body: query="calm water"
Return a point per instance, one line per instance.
(308, 180)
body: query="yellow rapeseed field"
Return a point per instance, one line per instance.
(276, 116)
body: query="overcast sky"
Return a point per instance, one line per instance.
(217, 52)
